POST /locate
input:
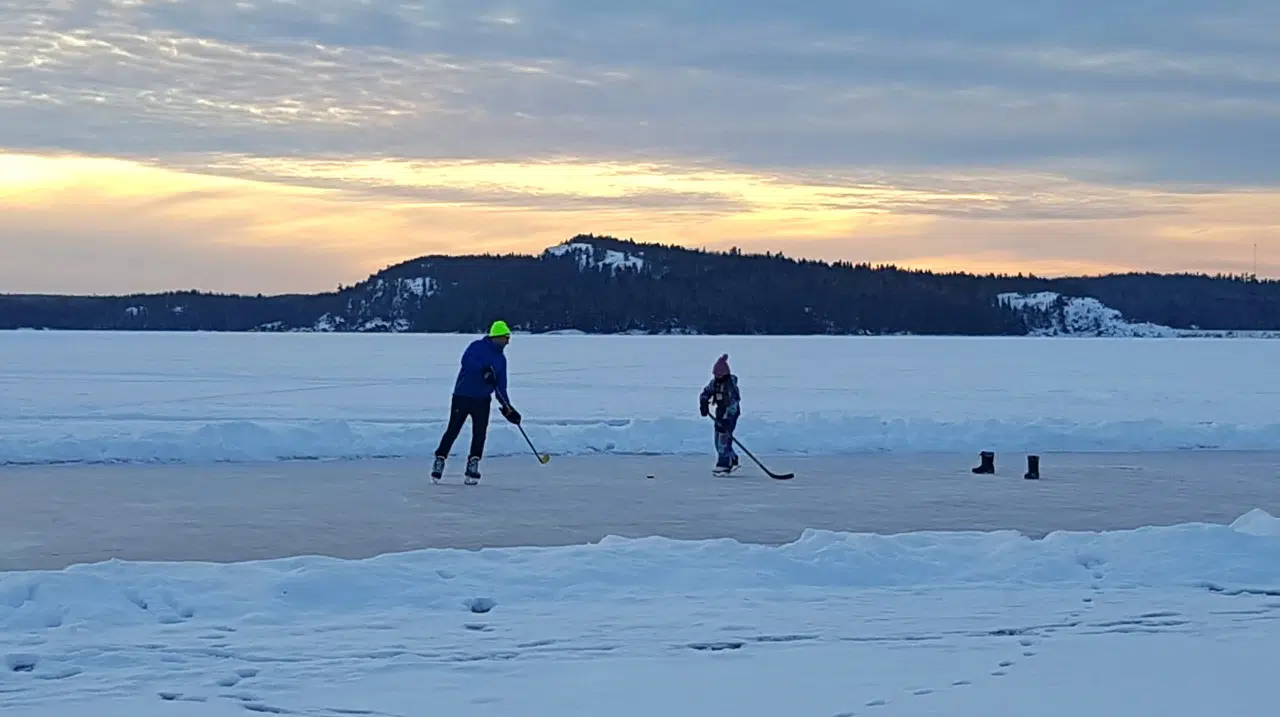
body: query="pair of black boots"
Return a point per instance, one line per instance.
(987, 465)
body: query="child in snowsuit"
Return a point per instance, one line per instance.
(723, 392)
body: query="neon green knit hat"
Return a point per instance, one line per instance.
(499, 328)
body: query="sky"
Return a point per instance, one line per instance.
(269, 146)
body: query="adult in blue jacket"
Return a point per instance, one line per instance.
(482, 374)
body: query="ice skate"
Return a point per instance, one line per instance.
(437, 469)
(473, 471)
(724, 469)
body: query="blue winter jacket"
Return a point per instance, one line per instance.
(481, 354)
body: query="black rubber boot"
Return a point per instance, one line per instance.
(988, 463)
(1033, 468)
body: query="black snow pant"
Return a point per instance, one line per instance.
(461, 408)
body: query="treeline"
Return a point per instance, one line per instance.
(606, 285)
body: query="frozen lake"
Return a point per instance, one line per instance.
(253, 397)
(332, 588)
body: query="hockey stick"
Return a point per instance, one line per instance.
(543, 458)
(771, 474)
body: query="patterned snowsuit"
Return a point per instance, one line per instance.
(723, 392)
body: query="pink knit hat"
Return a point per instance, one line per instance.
(722, 366)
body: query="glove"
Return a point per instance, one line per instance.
(702, 408)
(489, 376)
(511, 414)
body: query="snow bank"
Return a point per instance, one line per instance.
(823, 626)
(233, 397)
(1213, 557)
(1257, 522)
(176, 441)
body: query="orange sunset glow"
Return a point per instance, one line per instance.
(164, 156)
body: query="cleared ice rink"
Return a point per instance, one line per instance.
(54, 516)
(200, 419)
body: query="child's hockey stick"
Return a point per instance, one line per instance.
(771, 474)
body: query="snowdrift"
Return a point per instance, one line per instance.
(243, 441)
(1240, 558)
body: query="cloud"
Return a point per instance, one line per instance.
(926, 131)
(757, 83)
(583, 185)
(255, 224)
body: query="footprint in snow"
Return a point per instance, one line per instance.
(481, 605)
(243, 673)
(180, 697)
(265, 708)
(21, 662)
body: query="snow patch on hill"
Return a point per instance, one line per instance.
(383, 307)
(421, 286)
(1048, 313)
(403, 291)
(592, 257)
(328, 323)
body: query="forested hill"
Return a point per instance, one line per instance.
(605, 285)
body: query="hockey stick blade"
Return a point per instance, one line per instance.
(543, 458)
(771, 474)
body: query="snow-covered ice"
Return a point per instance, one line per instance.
(1174, 621)
(1144, 582)
(248, 397)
